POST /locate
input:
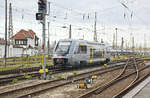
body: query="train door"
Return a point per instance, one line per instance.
(91, 54)
(81, 54)
(103, 54)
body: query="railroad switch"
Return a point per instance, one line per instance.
(144, 61)
(29, 96)
(89, 80)
(94, 77)
(82, 85)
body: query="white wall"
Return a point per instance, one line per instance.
(2, 51)
(31, 42)
(17, 52)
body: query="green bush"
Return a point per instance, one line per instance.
(46, 64)
(59, 76)
(15, 80)
(40, 65)
(22, 65)
(50, 73)
(26, 76)
(75, 73)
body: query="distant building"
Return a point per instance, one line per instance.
(21, 44)
(26, 42)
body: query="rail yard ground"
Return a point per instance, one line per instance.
(65, 84)
(74, 48)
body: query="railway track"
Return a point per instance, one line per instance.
(109, 89)
(5, 79)
(24, 70)
(134, 83)
(41, 87)
(8, 79)
(51, 84)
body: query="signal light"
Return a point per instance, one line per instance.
(42, 5)
(39, 16)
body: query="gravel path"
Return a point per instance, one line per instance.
(63, 90)
(71, 90)
(20, 85)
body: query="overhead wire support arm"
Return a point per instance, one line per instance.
(5, 55)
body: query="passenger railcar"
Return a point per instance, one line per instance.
(69, 52)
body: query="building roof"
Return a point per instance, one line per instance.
(23, 34)
(31, 32)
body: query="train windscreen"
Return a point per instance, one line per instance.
(63, 47)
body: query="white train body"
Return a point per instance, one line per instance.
(69, 52)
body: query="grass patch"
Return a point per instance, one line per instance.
(26, 76)
(119, 57)
(74, 73)
(50, 73)
(12, 67)
(15, 80)
(8, 68)
(126, 56)
(59, 76)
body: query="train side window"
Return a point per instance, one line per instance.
(82, 49)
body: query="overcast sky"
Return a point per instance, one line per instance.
(111, 14)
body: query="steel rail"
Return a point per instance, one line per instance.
(132, 85)
(105, 86)
(126, 90)
(104, 70)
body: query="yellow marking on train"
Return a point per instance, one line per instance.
(42, 59)
(91, 47)
(82, 45)
(91, 60)
(91, 54)
(103, 59)
(105, 64)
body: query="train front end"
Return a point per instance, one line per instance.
(61, 53)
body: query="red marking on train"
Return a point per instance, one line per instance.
(42, 46)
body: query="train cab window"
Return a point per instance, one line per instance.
(82, 49)
(63, 47)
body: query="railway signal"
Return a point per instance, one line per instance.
(41, 15)
(42, 5)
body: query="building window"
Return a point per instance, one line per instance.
(21, 42)
(17, 42)
(25, 42)
(36, 41)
